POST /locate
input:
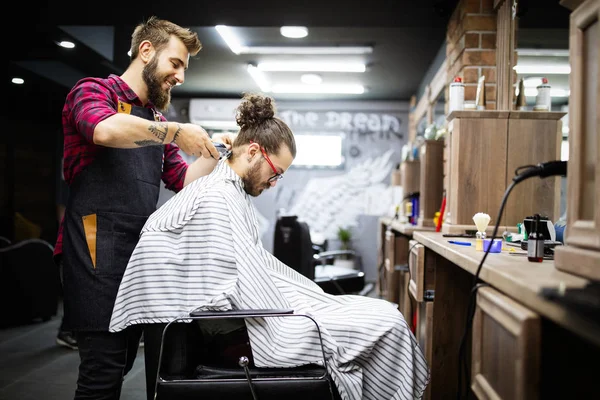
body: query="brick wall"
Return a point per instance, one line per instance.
(471, 47)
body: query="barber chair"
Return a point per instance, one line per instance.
(293, 246)
(187, 367)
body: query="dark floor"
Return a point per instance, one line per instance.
(33, 366)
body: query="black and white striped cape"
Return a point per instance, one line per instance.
(202, 249)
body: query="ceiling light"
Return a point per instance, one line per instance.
(237, 47)
(229, 38)
(543, 69)
(305, 50)
(294, 32)
(66, 44)
(18, 81)
(329, 89)
(259, 78)
(311, 66)
(311, 79)
(532, 92)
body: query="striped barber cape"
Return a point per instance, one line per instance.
(202, 250)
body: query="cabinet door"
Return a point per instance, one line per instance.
(506, 348)
(416, 266)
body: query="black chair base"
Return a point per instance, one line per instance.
(178, 359)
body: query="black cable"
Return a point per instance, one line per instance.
(462, 367)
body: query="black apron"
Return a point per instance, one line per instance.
(109, 202)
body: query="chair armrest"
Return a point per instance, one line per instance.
(239, 313)
(325, 255)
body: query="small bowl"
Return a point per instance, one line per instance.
(496, 245)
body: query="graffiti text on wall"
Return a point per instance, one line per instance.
(362, 125)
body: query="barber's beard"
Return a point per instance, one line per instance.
(253, 184)
(158, 96)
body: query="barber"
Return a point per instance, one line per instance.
(117, 149)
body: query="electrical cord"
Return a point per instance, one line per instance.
(551, 168)
(462, 362)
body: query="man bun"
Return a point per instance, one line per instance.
(254, 110)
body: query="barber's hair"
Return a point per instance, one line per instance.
(257, 121)
(159, 32)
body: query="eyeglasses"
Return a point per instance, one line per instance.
(277, 175)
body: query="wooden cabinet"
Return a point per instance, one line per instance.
(581, 255)
(506, 348)
(485, 149)
(431, 181)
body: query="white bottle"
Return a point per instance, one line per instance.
(543, 100)
(457, 95)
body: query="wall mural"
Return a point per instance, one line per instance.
(327, 203)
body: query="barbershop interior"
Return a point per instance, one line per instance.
(442, 198)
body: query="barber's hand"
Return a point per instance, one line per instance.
(194, 140)
(224, 138)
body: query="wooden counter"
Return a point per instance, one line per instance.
(518, 278)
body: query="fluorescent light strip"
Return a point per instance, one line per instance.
(324, 89)
(259, 77)
(532, 92)
(237, 48)
(543, 69)
(311, 66)
(543, 52)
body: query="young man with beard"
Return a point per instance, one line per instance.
(202, 250)
(117, 149)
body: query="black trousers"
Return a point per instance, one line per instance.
(105, 360)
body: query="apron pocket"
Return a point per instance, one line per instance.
(116, 246)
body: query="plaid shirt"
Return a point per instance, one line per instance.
(89, 102)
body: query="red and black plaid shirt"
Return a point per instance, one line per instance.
(90, 101)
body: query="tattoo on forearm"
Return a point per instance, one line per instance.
(177, 132)
(148, 142)
(159, 130)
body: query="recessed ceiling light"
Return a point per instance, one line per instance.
(311, 66)
(294, 32)
(311, 79)
(66, 44)
(18, 81)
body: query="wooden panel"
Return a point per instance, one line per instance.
(452, 287)
(431, 181)
(390, 280)
(583, 179)
(532, 141)
(506, 348)
(505, 50)
(410, 171)
(571, 4)
(424, 334)
(416, 266)
(405, 303)
(381, 256)
(478, 168)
